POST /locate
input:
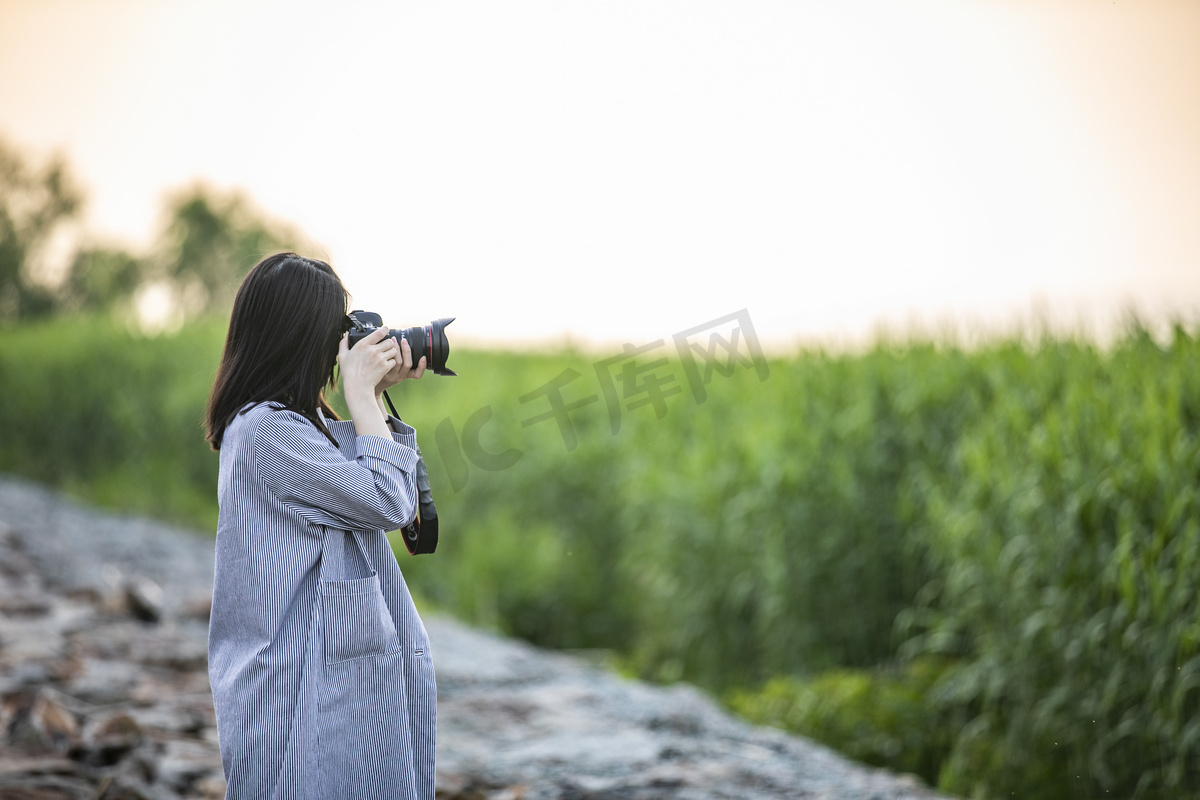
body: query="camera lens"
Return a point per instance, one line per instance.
(440, 346)
(431, 342)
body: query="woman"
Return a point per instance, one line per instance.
(320, 667)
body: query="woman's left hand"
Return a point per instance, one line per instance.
(403, 370)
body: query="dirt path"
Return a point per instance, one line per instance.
(104, 693)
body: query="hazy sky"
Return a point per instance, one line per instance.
(621, 171)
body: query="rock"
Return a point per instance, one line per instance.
(172, 718)
(104, 681)
(47, 788)
(145, 599)
(28, 641)
(36, 723)
(510, 716)
(174, 644)
(212, 788)
(198, 607)
(56, 724)
(108, 739)
(184, 762)
(11, 767)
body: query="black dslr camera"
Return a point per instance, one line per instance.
(429, 341)
(420, 535)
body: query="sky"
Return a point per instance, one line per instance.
(615, 172)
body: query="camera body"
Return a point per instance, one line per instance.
(429, 341)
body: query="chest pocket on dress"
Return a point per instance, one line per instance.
(357, 621)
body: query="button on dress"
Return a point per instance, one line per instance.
(320, 666)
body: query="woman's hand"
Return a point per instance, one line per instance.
(403, 370)
(366, 364)
(362, 368)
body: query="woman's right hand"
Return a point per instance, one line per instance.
(364, 365)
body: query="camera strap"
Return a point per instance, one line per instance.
(391, 407)
(420, 535)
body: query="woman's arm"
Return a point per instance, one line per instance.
(376, 490)
(365, 414)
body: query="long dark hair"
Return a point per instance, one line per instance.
(282, 344)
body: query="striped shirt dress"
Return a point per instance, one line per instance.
(320, 667)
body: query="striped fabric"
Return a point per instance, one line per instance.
(320, 667)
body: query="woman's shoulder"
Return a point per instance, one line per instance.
(248, 416)
(270, 419)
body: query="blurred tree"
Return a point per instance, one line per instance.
(34, 202)
(210, 241)
(207, 243)
(101, 278)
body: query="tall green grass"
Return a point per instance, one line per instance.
(111, 416)
(981, 566)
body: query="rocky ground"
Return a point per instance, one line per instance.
(104, 694)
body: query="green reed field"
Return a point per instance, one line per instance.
(980, 566)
